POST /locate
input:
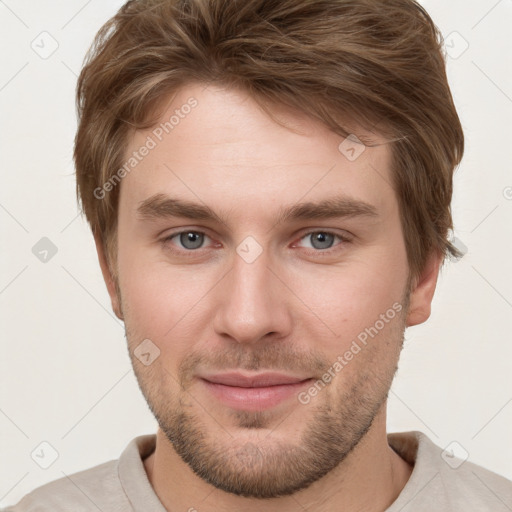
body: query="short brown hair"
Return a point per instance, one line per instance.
(379, 62)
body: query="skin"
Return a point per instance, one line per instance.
(294, 310)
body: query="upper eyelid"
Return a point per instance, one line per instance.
(172, 235)
(343, 239)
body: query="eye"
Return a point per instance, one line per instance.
(191, 240)
(323, 240)
(188, 240)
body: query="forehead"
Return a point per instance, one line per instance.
(217, 145)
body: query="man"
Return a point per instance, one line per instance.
(269, 187)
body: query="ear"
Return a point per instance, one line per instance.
(107, 277)
(423, 291)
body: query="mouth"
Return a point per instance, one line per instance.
(253, 392)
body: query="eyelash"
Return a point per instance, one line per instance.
(329, 251)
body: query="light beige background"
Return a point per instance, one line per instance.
(66, 377)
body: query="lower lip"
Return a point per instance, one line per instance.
(254, 399)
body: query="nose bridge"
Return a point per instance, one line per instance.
(251, 281)
(251, 303)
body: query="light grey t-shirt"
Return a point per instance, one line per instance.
(436, 484)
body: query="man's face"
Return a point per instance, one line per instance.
(257, 291)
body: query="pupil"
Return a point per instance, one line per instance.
(324, 239)
(191, 240)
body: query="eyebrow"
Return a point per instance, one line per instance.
(161, 206)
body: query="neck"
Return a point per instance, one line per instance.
(370, 478)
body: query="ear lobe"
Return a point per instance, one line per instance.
(423, 292)
(107, 277)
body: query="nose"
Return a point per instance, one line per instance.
(253, 302)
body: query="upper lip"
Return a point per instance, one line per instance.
(253, 381)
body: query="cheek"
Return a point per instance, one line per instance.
(350, 298)
(161, 302)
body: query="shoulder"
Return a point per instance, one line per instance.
(473, 486)
(104, 487)
(97, 488)
(443, 481)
